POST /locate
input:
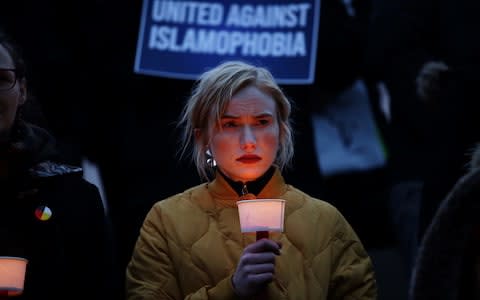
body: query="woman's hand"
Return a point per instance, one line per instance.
(256, 267)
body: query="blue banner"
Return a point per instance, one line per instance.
(183, 39)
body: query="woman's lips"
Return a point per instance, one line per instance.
(249, 159)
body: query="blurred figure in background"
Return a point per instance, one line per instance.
(448, 263)
(100, 109)
(50, 215)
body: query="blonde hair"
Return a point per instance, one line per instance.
(209, 99)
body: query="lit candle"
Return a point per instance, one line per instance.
(12, 275)
(261, 216)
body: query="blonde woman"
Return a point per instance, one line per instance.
(237, 125)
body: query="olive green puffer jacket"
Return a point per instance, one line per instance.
(190, 243)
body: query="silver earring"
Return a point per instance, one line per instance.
(210, 160)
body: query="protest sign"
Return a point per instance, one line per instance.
(183, 39)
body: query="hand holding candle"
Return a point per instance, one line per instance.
(256, 267)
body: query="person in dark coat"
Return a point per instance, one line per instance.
(448, 261)
(51, 216)
(109, 114)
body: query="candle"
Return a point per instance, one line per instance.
(12, 275)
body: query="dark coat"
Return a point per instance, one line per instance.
(69, 255)
(449, 250)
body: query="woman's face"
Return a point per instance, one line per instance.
(246, 144)
(9, 99)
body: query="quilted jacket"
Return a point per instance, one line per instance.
(190, 243)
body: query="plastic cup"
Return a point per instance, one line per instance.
(12, 275)
(261, 215)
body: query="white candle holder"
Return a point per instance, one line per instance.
(261, 215)
(12, 275)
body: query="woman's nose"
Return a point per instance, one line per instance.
(247, 139)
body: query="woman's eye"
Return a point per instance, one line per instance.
(263, 121)
(229, 124)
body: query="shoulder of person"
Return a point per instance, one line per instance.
(181, 201)
(302, 199)
(319, 211)
(55, 178)
(475, 160)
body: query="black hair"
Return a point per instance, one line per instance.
(31, 111)
(15, 52)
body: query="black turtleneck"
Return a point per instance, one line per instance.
(253, 187)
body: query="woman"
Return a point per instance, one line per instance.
(190, 245)
(50, 215)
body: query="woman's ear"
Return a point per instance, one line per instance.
(198, 134)
(23, 91)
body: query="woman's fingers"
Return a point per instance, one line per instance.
(256, 267)
(260, 268)
(257, 258)
(263, 245)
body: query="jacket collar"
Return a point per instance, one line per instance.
(253, 187)
(221, 189)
